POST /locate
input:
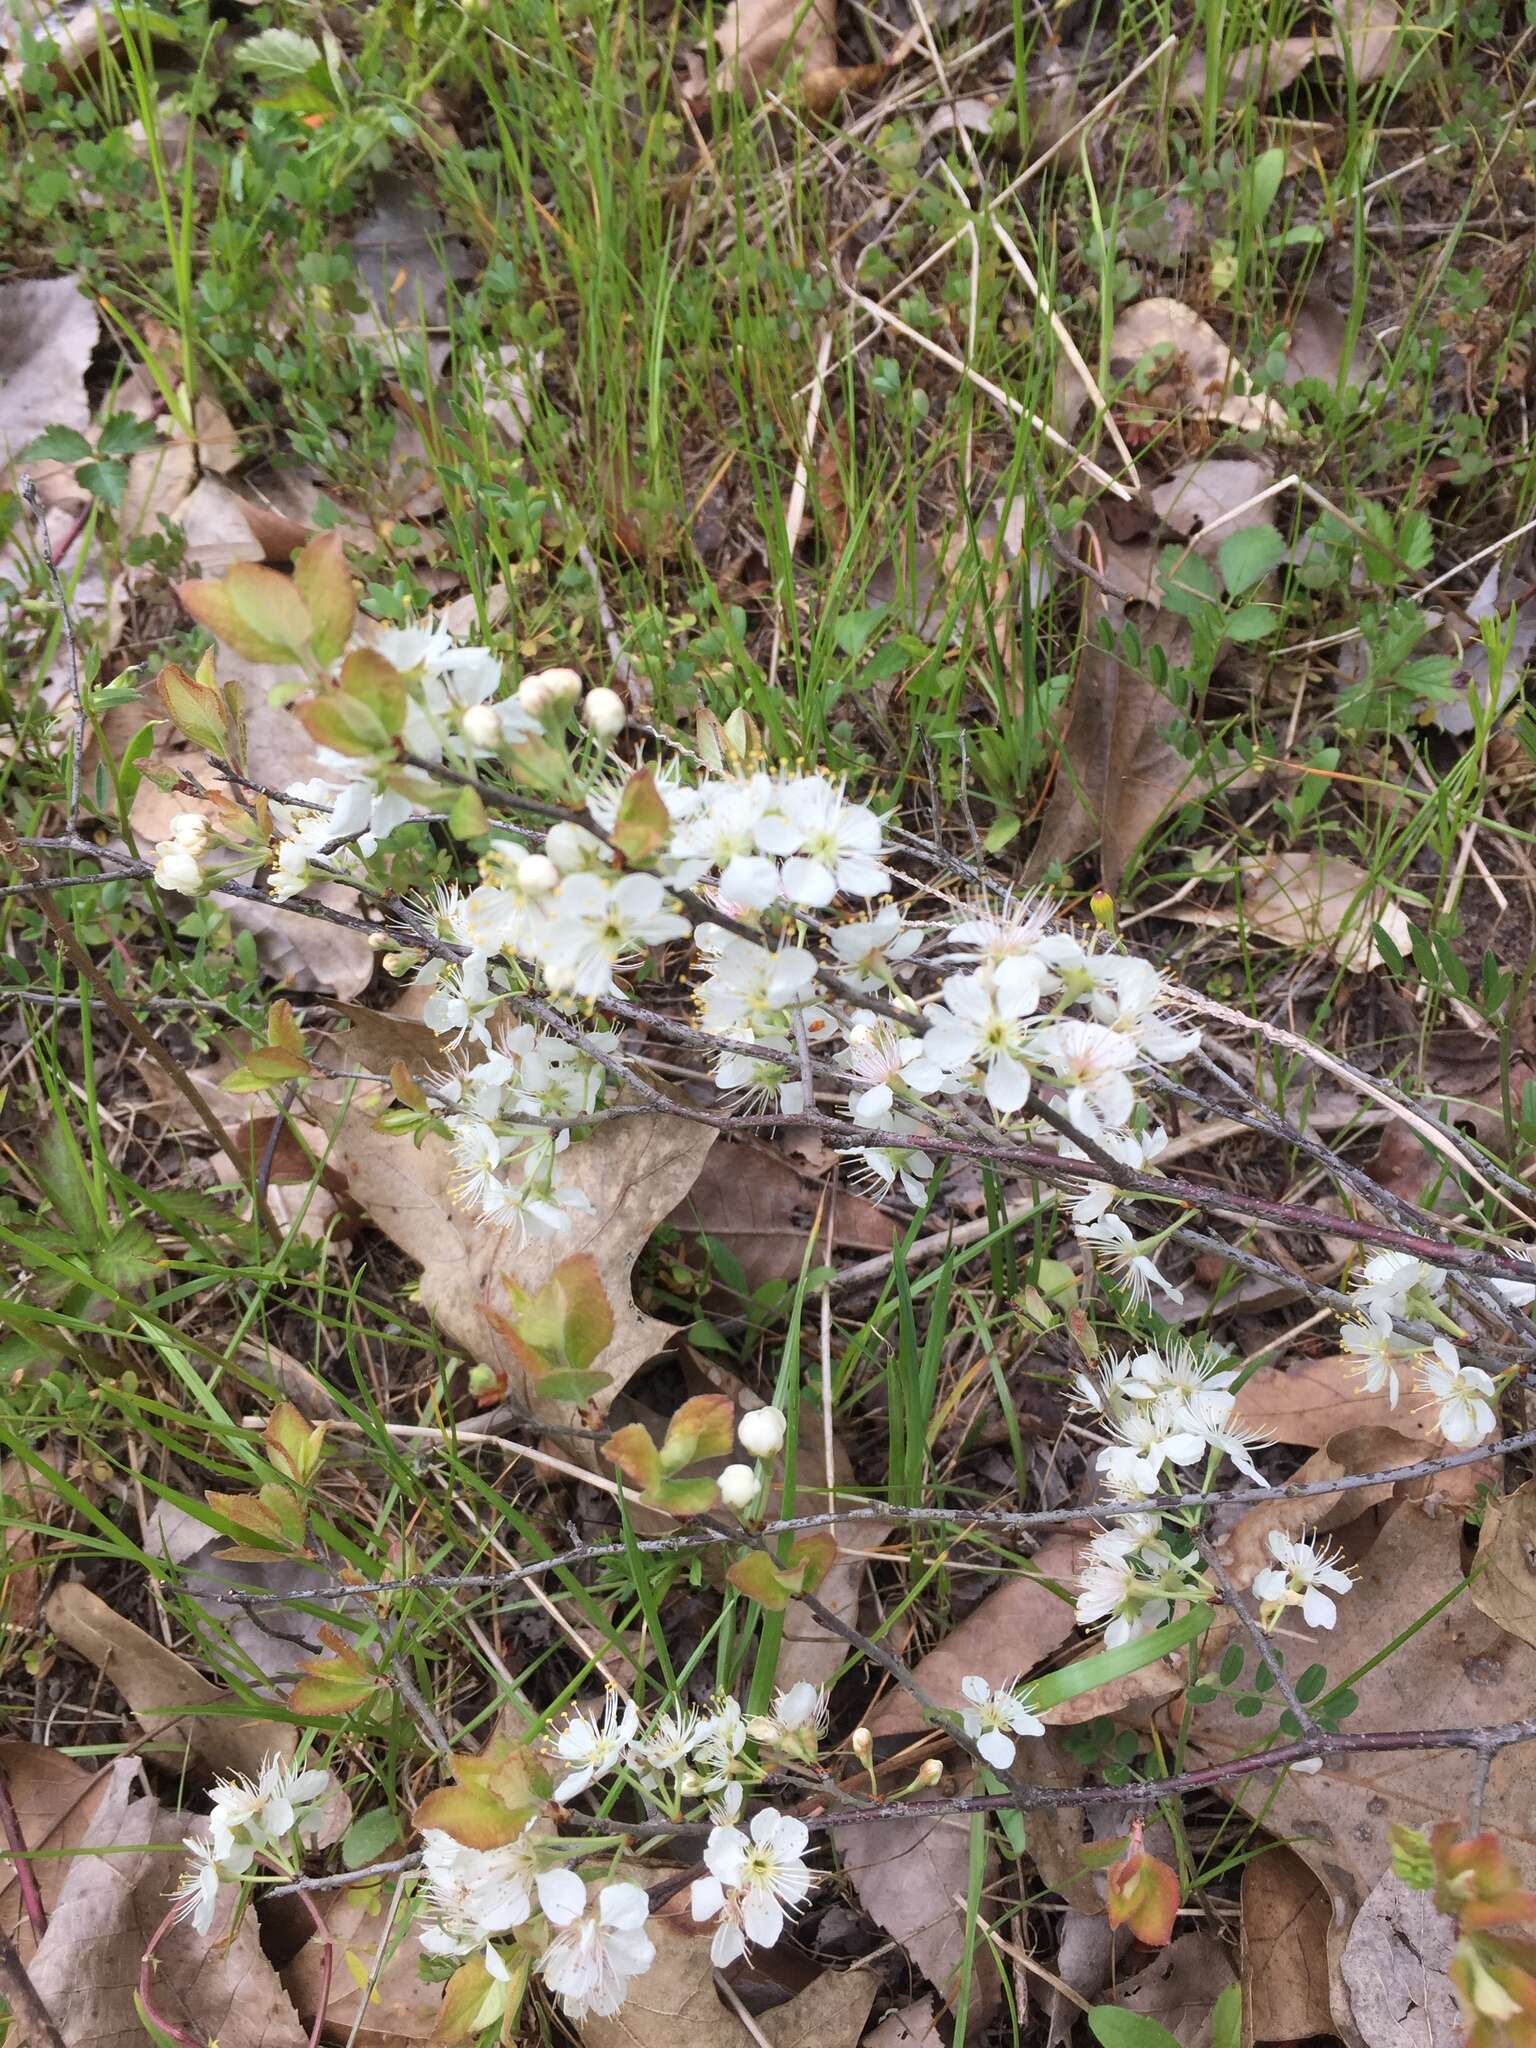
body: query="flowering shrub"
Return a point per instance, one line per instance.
(988, 1028)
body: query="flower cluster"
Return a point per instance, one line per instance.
(252, 1821)
(686, 1754)
(1390, 1288)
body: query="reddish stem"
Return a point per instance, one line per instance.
(21, 1856)
(317, 2026)
(151, 2013)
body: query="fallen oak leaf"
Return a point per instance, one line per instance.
(1505, 1585)
(1284, 1920)
(761, 39)
(906, 1875)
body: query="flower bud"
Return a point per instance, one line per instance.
(738, 1487)
(189, 831)
(548, 689)
(537, 874)
(570, 846)
(762, 1431)
(862, 1743)
(604, 714)
(481, 725)
(930, 1772)
(176, 869)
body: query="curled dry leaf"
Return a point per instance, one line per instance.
(912, 2027)
(298, 952)
(633, 1172)
(1007, 1635)
(1320, 900)
(56, 1800)
(1363, 31)
(1284, 1923)
(1458, 1666)
(179, 1709)
(751, 1200)
(1116, 777)
(907, 1875)
(48, 330)
(1393, 1972)
(1179, 1988)
(1505, 1586)
(760, 39)
(1184, 365)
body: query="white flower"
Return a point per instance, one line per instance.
(670, 1741)
(1011, 930)
(1396, 1284)
(1377, 1352)
(196, 1897)
(598, 924)
(1129, 997)
(1302, 1576)
(717, 1752)
(1209, 1412)
(752, 1878)
(985, 1023)
(537, 874)
(476, 1894)
(177, 869)
(750, 990)
(887, 1062)
(738, 1487)
(883, 1167)
(1518, 1293)
(598, 1950)
(797, 1722)
(595, 1745)
(869, 949)
(1147, 1439)
(1093, 1063)
(762, 1431)
(993, 1717)
(1130, 1579)
(837, 845)
(1177, 1369)
(1464, 1393)
(251, 1816)
(1114, 1246)
(604, 714)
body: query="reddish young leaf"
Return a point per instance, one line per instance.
(477, 1819)
(1143, 1895)
(701, 1428)
(252, 610)
(632, 1450)
(642, 826)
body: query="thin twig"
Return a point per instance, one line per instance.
(21, 1858)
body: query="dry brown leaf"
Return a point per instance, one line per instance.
(164, 1692)
(1200, 493)
(298, 952)
(1505, 1587)
(405, 261)
(160, 481)
(56, 1801)
(1370, 29)
(1393, 1971)
(676, 2005)
(48, 331)
(634, 1173)
(1311, 1399)
(760, 39)
(1319, 333)
(1254, 72)
(402, 2007)
(907, 1875)
(217, 1987)
(1055, 1837)
(1006, 1635)
(1134, 1698)
(1310, 900)
(1179, 1987)
(764, 1211)
(912, 2027)
(1284, 1922)
(1116, 777)
(182, 1540)
(1458, 1667)
(218, 445)
(1191, 367)
(216, 530)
